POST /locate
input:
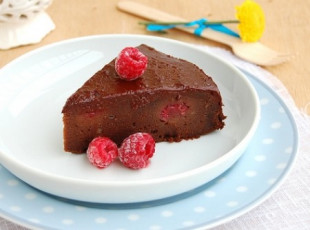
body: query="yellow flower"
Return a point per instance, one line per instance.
(252, 21)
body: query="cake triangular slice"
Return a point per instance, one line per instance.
(173, 100)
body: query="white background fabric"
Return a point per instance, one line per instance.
(288, 208)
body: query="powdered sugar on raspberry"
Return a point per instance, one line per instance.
(136, 150)
(130, 64)
(102, 152)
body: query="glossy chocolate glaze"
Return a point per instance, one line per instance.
(163, 72)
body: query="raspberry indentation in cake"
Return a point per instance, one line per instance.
(90, 115)
(173, 110)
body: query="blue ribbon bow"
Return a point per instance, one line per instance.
(198, 31)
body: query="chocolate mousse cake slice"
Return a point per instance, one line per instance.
(173, 100)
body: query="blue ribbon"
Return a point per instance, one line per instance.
(198, 31)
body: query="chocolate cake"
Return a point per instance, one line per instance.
(173, 100)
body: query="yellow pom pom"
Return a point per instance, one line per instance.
(252, 21)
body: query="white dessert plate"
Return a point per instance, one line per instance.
(34, 88)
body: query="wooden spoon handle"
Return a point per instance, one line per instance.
(152, 14)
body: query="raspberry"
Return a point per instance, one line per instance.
(102, 152)
(136, 150)
(173, 110)
(130, 63)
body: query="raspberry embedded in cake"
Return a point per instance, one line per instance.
(173, 110)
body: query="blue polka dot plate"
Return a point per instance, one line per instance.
(260, 168)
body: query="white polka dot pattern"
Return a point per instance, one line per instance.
(263, 166)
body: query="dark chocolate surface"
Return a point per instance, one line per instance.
(163, 72)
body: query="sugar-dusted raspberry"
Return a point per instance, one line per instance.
(102, 152)
(172, 110)
(136, 150)
(130, 63)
